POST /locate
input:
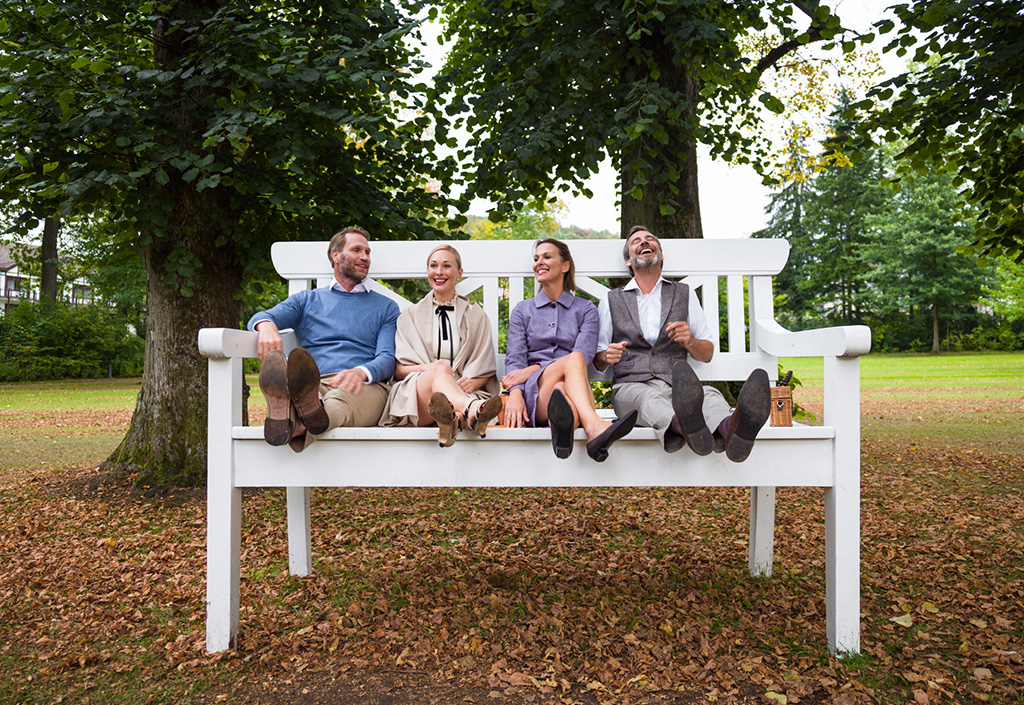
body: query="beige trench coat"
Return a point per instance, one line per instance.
(413, 346)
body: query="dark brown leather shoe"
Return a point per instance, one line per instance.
(753, 406)
(674, 437)
(304, 389)
(688, 403)
(277, 428)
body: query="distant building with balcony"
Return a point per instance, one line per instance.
(16, 286)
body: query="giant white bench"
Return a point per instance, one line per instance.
(723, 271)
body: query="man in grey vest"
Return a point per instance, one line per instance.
(648, 329)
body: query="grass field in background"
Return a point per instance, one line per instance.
(51, 425)
(957, 400)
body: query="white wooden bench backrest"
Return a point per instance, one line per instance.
(500, 268)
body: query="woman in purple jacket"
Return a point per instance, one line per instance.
(551, 340)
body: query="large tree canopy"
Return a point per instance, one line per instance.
(549, 88)
(209, 128)
(963, 106)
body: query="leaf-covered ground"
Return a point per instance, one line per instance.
(525, 596)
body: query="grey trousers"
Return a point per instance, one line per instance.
(653, 403)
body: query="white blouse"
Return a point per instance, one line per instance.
(446, 339)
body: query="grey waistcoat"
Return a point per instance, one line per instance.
(640, 362)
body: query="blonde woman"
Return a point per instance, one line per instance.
(445, 370)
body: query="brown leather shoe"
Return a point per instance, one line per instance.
(304, 389)
(753, 406)
(688, 403)
(277, 428)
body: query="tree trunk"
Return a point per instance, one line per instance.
(935, 326)
(48, 256)
(167, 436)
(682, 152)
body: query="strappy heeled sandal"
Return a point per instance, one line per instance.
(443, 413)
(486, 411)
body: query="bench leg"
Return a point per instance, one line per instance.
(223, 506)
(222, 567)
(842, 506)
(300, 560)
(762, 531)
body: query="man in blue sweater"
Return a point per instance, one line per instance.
(339, 376)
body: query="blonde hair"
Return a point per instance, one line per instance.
(449, 248)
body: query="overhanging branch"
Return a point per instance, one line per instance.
(814, 33)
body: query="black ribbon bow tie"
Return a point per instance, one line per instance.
(446, 327)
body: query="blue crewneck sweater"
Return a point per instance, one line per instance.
(341, 330)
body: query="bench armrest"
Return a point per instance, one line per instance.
(838, 341)
(231, 342)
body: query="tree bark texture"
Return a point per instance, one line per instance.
(685, 222)
(167, 437)
(48, 256)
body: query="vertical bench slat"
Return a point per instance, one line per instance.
(734, 313)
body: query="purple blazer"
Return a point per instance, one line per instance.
(541, 331)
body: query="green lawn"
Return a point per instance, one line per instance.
(960, 400)
(56, 424)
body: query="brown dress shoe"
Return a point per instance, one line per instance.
(277, 428)
(304, 388)
(753, 406)
(688, 403)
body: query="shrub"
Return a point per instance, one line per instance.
(981, 339)
(41, 342)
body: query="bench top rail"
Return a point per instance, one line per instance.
(503, 258)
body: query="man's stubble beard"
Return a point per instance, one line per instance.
(654, 261)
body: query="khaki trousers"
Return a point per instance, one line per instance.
(348, 409)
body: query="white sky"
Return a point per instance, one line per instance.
(732, 199)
